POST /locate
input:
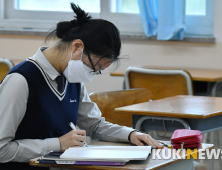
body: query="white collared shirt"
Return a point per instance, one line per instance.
(14, 95)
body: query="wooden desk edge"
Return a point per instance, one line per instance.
(178, 115)
(121, 74)
(211, 115)
(171, 161)
(117, 74)
(64, 166)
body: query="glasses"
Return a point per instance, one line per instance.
(94, 72)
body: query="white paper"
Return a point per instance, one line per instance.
(108, 153)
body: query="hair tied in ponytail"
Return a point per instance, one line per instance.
(81, 16)
(100, 37)
(73, 23)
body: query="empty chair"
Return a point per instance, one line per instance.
(162, 83)
(108, 101)
(5, 66)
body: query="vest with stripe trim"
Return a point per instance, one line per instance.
(48, 112)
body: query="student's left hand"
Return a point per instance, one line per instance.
(137, 138)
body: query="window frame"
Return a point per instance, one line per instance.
(127, 23)
(201, 25)
(12, 18)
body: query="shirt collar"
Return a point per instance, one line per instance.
(45, 64)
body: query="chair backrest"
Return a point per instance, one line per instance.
(5, 66)
(108, 101)
(162, 83)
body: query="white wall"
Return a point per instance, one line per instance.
(153, 53)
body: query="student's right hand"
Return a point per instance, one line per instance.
(73, 138)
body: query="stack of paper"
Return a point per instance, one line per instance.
(98, 155)
(107, 153)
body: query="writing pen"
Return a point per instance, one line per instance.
(74, 128)
(164, 144)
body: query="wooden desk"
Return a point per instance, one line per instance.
(150, 163)
(182, 106)
(209, 75)
(201, 113)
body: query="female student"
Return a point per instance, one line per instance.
(40, 96)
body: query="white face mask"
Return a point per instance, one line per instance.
(77, 71)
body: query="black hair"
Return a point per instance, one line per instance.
(100, 37)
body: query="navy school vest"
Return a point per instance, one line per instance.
(48, 112)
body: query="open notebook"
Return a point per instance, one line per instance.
(107, 153)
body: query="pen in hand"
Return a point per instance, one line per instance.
(74, 128)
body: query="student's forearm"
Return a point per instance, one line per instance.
(98, 129)
(24, 150)
(90, 119)
(111, 132)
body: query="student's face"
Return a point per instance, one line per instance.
(98, 63)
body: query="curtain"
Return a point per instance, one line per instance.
(163, 18)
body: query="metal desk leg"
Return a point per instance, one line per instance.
(214, 89)
(204, 141)
(220, 143)
(124, 85)
(212, 141)
(205, 137)
(213, 94)
(142, 119)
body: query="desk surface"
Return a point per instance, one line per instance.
(131, 165)
(211, 75)
(182, 106)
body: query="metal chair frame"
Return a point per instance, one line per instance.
(7, 62)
